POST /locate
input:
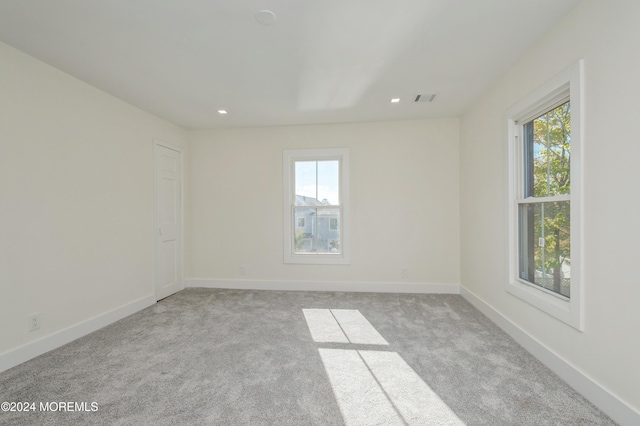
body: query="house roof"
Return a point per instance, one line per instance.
(303, 200)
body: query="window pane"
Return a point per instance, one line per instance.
(547, 153)
(321, 233)
(328, 188)
(545, 257)
(305, 183)
(303, 235)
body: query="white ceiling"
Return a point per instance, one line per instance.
(322, 61)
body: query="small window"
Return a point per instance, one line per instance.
(315, 200)
(544, 208)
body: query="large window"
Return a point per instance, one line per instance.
(544, 211)
(545, 203)
(315, 206)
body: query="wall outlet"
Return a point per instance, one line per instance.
(242, 270)
(34, 321)
(405, 273)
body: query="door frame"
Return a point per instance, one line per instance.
(156, 252)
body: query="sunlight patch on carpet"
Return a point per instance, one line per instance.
(361, 400)
(372, 387)
(357, 328)
(331, 325)
(323, 326)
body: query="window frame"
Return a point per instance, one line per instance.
(568, 85)
(289, 158)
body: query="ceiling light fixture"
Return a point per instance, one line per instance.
(265, 17)
(222, 111)
(395, 100)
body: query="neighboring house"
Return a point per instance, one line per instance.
(317, 230)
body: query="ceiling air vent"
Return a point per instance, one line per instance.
(428, 97)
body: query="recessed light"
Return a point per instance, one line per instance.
(395, 100)
(222, 111)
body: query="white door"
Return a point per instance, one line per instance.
(168, 210)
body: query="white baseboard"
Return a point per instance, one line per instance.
(614, 407)
(347, 286)
(30, 350)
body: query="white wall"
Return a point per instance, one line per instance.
(404, 202)
(607, 36)
(76, 200)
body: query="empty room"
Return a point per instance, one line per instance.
(412, 212)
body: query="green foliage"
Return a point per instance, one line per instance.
(552, 147)
(552, 176)
(298, 239)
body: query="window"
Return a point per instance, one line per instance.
(545, 203)
(545, 208)
(315, 206)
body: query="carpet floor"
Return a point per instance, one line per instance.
(245, 357)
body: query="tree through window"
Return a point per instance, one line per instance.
(545, 238)
(545, 132)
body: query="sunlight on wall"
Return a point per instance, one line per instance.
(372, 387)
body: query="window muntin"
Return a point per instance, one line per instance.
(315, 183)
(544, 215)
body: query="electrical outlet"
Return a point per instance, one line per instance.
(405, 273)
(242, 270)
(34, 321)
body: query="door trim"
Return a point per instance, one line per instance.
(156, 255)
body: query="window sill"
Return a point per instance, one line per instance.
(556, 305)
(317, 259)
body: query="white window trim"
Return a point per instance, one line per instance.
(290, 156)
(568, 310)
